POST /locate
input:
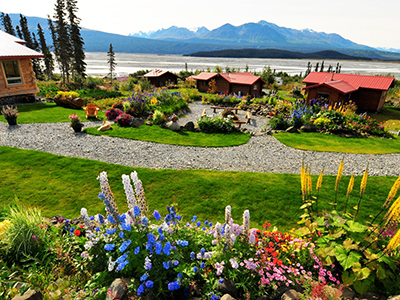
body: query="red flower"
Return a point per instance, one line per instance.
(77, 232)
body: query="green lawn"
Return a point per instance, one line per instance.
(62, 185)
(166, 136)
(48, 113)
(389, 114)
(332, 143)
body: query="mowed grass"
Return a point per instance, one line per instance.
(166, 136)
(48, 113)
(62, 185)
(391, 115)
(332, 143)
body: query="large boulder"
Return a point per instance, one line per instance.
(29, 295)
(118, 289)
(189, 126)
(308, 128)
(292, 129)
(136, 122)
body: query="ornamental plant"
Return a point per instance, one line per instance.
(75, 120)
(365, 258)
(123, 120)
(9, 112)
(217, 124)
(62, 95)
(113, 113)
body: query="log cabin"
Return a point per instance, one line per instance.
(160, 78)
(368, 92)
(16, 73)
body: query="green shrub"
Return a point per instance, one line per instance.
(216, 125)
(97, 94)
(123, 120)
(144, 85)
(93, 82)
(26, 233)
(278, 122)
(128, 85)
(158, 117)
(48, 89)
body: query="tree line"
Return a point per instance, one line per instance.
(68, 44)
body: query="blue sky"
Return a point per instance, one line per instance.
(369, 22)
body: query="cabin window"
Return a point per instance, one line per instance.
(12, 72)
(323, 96)
(255, 87)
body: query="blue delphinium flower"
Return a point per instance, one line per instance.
(149, 284)
(158, 247)
(91, 218)
(192, 255)
(221, 280)
(121, 234)
(145, 222)
(122, 265)
(166, 265)
(176, 263)
(97, 229)
(204, 229)
(136, 211)
(194, 270)
(144, 277)
(101, 196)
(121, 259)
(214, 297)
(111, 219)
(140, 290)
(198, 223)
(202, 251)
(101, 219)
(167, 248)
(211, 224)
(109, 247)
(202, 265)
(173, 286)
(194, 219)
(157, 215)
(206, 222)
(178, 217)
(124, 245)
(111, 230)
(126, 227)
(161, 237)
(137, 250)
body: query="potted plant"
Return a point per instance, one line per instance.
(76, 123)
(11, 114)
(174, 125)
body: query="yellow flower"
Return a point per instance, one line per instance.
(350, 187)
(393, 192)
(394, 242)
(339, 174)
(364, 181)
(153, 101)
(319, 181)
(394, 212)
(3, 228)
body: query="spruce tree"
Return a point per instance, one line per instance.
(48, 57)
(7, 24)
(61, 40)
(111, 61)
(78, 59)
(19, 32)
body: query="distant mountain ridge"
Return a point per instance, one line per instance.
(175, 40)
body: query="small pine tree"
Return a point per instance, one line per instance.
(19, 32)
(111, 61)
(316, 67)
(322, 67)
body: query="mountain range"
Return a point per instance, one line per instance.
(180, 40)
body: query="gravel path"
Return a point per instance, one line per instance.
(263, 153)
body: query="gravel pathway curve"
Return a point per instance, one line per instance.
(263, 153)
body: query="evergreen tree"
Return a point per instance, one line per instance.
(48, 57)
(19, 32)
(322, 67)
(7, 24)
(316, 67)
(78, 59)
(26, 34)
(111, 61)
(61, 40)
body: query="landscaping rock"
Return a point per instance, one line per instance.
(148, 123)
(29, 295)
(227, 287)
(397, 297)
(292, 129)
(227, 297)
(58, 219)
(372, 296)
(308, 128)
(118, 289)
(291, 295)
(398, 133)
(189, 126)
(136, 122)
(55, 295)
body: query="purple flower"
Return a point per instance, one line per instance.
(172, 286)
(157, 215)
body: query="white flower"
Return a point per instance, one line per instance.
(88, 245)
(252, 238)
(130, 195)
(246, 223)
(234, 263)
(228, 214)
(111, 264)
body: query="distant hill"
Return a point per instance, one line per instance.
(276, 53)
(175, 40)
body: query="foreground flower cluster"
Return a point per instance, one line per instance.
(167, 257)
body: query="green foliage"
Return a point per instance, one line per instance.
(218, 124)
(278, 122)
(96, 94)
(129, 84)
(48, 89)
(158, 117)
(123, 120)
(144, 85)
(26, 233)
(93, 82)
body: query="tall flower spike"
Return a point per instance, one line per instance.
(228, 214)
(111, 208)
(130, 195)
(364, 181)
(246, 223)
(339, 175)
(228, 232)
(350, 186)
(303, 179)
(393, 192)
(140, 197)
(319, 181)
(394, 242)
(394, 212)
(86, 218)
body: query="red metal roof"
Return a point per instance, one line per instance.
(11, 48)
(356, 81)
(156, 73)
(205, 76)
(339, 85)
(241, 78)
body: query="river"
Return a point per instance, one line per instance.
(131, 62)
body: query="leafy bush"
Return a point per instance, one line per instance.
(48, 89)
(143, 85)
(158, 117)
(278, 122)
(123, 120)
(128, 85)
(93, 82)
(66, 95)
(216, 125)
(98, 94)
